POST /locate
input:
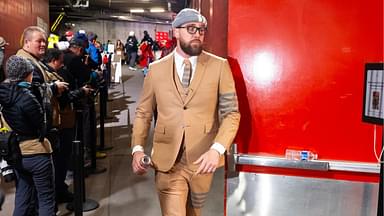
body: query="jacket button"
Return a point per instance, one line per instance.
(185, 108)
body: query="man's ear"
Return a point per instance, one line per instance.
(25, 41)
(176, 33)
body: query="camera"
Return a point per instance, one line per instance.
(7, 171)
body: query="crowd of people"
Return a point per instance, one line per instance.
(140, 54)
(44, 84)
(136, 54)
(42, 91)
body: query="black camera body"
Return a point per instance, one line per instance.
(8, 147)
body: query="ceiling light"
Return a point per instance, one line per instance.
(123, 18)
(138, 10)
(157, 10)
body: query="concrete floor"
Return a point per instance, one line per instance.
(118, 190)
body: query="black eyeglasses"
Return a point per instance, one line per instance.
(193, 29)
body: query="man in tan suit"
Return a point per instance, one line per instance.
(194, 94)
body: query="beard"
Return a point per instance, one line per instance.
(193, 48)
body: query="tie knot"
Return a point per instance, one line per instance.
(187, 62)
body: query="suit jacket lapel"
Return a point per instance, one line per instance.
(170, 66)
(199, 74)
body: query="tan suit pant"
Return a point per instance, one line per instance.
(181, 192)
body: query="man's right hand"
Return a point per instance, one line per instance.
(87, 90)
(136, 165)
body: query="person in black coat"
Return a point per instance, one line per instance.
(23, 112)
(147, 38)
(131, 50)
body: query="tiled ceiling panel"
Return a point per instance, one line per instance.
(118, 9)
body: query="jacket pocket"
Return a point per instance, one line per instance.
(160, 129)
(159, 137)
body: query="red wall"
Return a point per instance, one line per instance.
(299, 70)
(15, 15)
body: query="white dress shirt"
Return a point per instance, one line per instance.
(179, 64)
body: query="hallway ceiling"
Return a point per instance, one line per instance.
(117, 9)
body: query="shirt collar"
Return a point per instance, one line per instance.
(180, 59)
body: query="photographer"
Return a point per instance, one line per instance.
(53, 61)
(24, 114)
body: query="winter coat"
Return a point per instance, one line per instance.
(24, 114)
(131, 45)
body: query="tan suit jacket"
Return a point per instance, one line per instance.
(208, 114)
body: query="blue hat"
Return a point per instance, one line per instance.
(76, 42)
(80, 38)
(92, 36)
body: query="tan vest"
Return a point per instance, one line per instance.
(183, 92)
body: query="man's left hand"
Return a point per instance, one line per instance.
(61, 86)
(208, 162)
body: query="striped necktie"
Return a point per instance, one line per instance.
(187, 73)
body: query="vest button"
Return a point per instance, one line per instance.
(185, 108)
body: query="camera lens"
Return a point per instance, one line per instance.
(7, 171)
(9, 177)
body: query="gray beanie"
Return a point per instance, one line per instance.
(188, 15)
(18, 68)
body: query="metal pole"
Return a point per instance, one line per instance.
(102, 116)
(78, 175)
(380, 203)
(92, 123)
(80, 203)
(122, 83)
(78, 179)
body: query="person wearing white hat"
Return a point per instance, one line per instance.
(131, 50)
(194, 94)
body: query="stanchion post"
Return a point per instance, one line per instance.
(78, 175)
(122, 85)
(109, 65)
(78, 179)
(94, 169)
(80, 203)
(102, 116)
(93, 128)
